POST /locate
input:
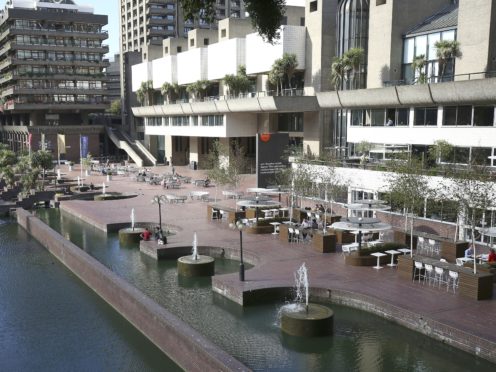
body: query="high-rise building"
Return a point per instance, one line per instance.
(51, 75)
(144, 26)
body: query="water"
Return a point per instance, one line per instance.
(194, 256)
(301, 284)
(361, 341)
(50, 321)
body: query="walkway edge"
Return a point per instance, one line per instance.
(185, 346)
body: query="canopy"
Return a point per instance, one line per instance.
(257, 203)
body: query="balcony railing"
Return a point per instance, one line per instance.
(271, 93)
(443, 79)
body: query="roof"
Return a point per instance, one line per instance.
(444, 19)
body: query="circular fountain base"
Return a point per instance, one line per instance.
(129, 236)
(202, 266)
(317, 321)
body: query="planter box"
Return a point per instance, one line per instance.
(323, 243)
(260, 229)
(354, 259)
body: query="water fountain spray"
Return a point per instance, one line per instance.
(132, 219)
(301, 280)
(195, 247)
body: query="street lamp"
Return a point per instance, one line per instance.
(159, 199)
(238, 225)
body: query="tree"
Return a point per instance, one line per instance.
(115, 107)
(29, 174)
(352, 60)
(199, 89)
(43, 161)
(8, 159)
(440, 151)
(239, 83)
(276, 76)
(266, 16)
(170, 91)
(474, 190)
(408, 188)
(86, 162)
(337, 72)
(145, 93)
(289, 63)
(418, 66)
(446, 51)
(226, 164)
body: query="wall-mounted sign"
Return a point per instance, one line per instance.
(270, 157)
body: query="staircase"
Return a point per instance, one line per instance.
(134, 149)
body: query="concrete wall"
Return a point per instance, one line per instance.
(181, 343)
(234, 28)
(387, 25)
(476, 34)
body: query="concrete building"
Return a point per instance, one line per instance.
(51, 66)
(383, 100)
(146, 25)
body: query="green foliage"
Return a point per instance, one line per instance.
(266, 16)
(418, 66)
(239, 83)
(115, 107)
(170, 91)
(346, 66)
(226, 164)
(289, 64)
(282, 72)
(363, 147)
(199, 89)
(446, 50)
(145, 93)
(86, 162)
(441, 150)
(29, 174)
(42, 160)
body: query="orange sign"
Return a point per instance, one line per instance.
(265, 137)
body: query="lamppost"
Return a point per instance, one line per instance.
(159, 199)
(238, 225)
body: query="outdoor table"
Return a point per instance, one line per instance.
(378, 255)
(198, 194)
(268, 213)
(405, 250)
(284, 211)
(232, 194)
(392, 252)
(275, 224)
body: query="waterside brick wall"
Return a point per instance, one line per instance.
(190, 350)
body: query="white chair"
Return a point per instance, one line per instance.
(433, 247)
(443, 260)
(291, 234)
(419, 267)
(459, 261)
(429, 270)
(439, 276)
(453, 279)
(420, 244)
(297, 235)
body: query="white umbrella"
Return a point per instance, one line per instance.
(361, 225)
(258, 203)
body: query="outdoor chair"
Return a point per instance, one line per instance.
(420, 245)
(291, 234)
(429, 271)
(439, 276)
(452, 280)
(419, 267)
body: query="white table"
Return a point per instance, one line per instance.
(405, 250)
(378, 255)
(198, 194)
(392, 252)
(275, 224)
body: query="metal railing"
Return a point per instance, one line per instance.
(442, 79)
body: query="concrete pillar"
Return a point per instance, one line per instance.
(311, 132)
(168, 147)
(224, 160)
(194, 149)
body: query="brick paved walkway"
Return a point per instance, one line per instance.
(278, 261)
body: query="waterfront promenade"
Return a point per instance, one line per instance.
(430, 310)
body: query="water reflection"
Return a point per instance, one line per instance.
(361, 342)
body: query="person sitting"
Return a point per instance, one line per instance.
(206, 183)
(92, 187)
(315, 225)
(145, 235)
(492, 255)
(321, 208)
(469, 252)
(305, 224)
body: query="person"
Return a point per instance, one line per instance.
(145, 235)
(492, 255)
(305, 224)
(389, 122)
(92, 187)
(207, 182)
(157, 234)
(321, 208)
(469, 252)
(315, 225)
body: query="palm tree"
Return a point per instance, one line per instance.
(418, 65)
(276, 75)
(352, 60)
(289, 63)
(145, 93)
(169, 91)
(446, 51)
(337, 72)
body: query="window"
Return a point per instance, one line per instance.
(457, 115)
(166, 50)
(425, 116)
(205, 41)
(223, 33)
(380, 2)
(377, 118)
(357, 117)
(402, 116)
(290, 122)
(483, 116)
(179, 49)
(191, 42)
(284, 21)
(481, 155)
(313, 6)
(302, 21)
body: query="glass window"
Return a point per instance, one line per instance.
(449, 117)
(432, 39)
(402, 116)
(409, 49)
(431, 116)
(462, 155)
(449, 35)
(483, 116)
(377, 118)
(357, 117)
(464, 115)
(421, 45)
(480, 155)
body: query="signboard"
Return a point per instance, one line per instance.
(84, 146)
(270, 157)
